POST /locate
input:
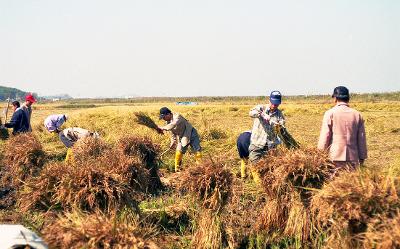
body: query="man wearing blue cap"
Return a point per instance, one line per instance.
(183, 135)
(263, 136)
(343, 132)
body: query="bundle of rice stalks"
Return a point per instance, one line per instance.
(288, 178)
(209, 182)
(78, 230)
(347, 205)
(108, 182)
(146, 152)
(383, 233)
(89, 148)
(209, 233)
(143, 119)
(285, 137)
(23, 157)
(285, 171)
(141, 147)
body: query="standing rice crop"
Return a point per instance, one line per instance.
(23, 158)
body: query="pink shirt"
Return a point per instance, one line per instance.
(343, 134)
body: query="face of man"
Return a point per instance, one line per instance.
(168, 117)
(273, 107)
(28, 103)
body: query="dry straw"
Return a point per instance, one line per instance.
(289, 178)
(211, 184)
(144, 119)
(209, 233)
(142, 149)
(23, 158)
(352, 202)
(383, 233)
(97, 230)
(105, 180)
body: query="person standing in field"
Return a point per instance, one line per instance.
(343, 132)
(263, 136)
(15, 105)
(27, 108)
(19, 122)
(54, 122)
(183, 135)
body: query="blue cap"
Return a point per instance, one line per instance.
(275, 98)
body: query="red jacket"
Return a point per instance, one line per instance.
(343, 133)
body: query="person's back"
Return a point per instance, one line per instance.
(343, 134)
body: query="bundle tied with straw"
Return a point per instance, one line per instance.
(285, 137)
(143, 119)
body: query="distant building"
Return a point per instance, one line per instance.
(186, 103)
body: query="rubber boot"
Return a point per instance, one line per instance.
(243, 168)
(198, 156)
(70, 156)
(256, 175)
(178, 160)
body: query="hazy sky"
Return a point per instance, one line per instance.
(90, 48)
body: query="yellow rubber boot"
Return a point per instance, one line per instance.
(178, 160)
(70, 156)
(198, 156)
(243, 168)
(256, 176)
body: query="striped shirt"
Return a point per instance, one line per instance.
(263, 133)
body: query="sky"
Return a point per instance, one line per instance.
(98, 48)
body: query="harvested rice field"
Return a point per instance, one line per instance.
(120, 191)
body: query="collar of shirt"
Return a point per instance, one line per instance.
(268, 109)
(342, 103)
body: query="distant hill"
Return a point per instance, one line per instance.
(13, 93)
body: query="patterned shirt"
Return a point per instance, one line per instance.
(263, 133)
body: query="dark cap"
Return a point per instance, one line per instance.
(341, 92)
(275, 98)
(164, 111)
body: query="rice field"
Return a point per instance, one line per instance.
(119, 192)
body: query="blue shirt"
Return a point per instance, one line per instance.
(19, 122)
